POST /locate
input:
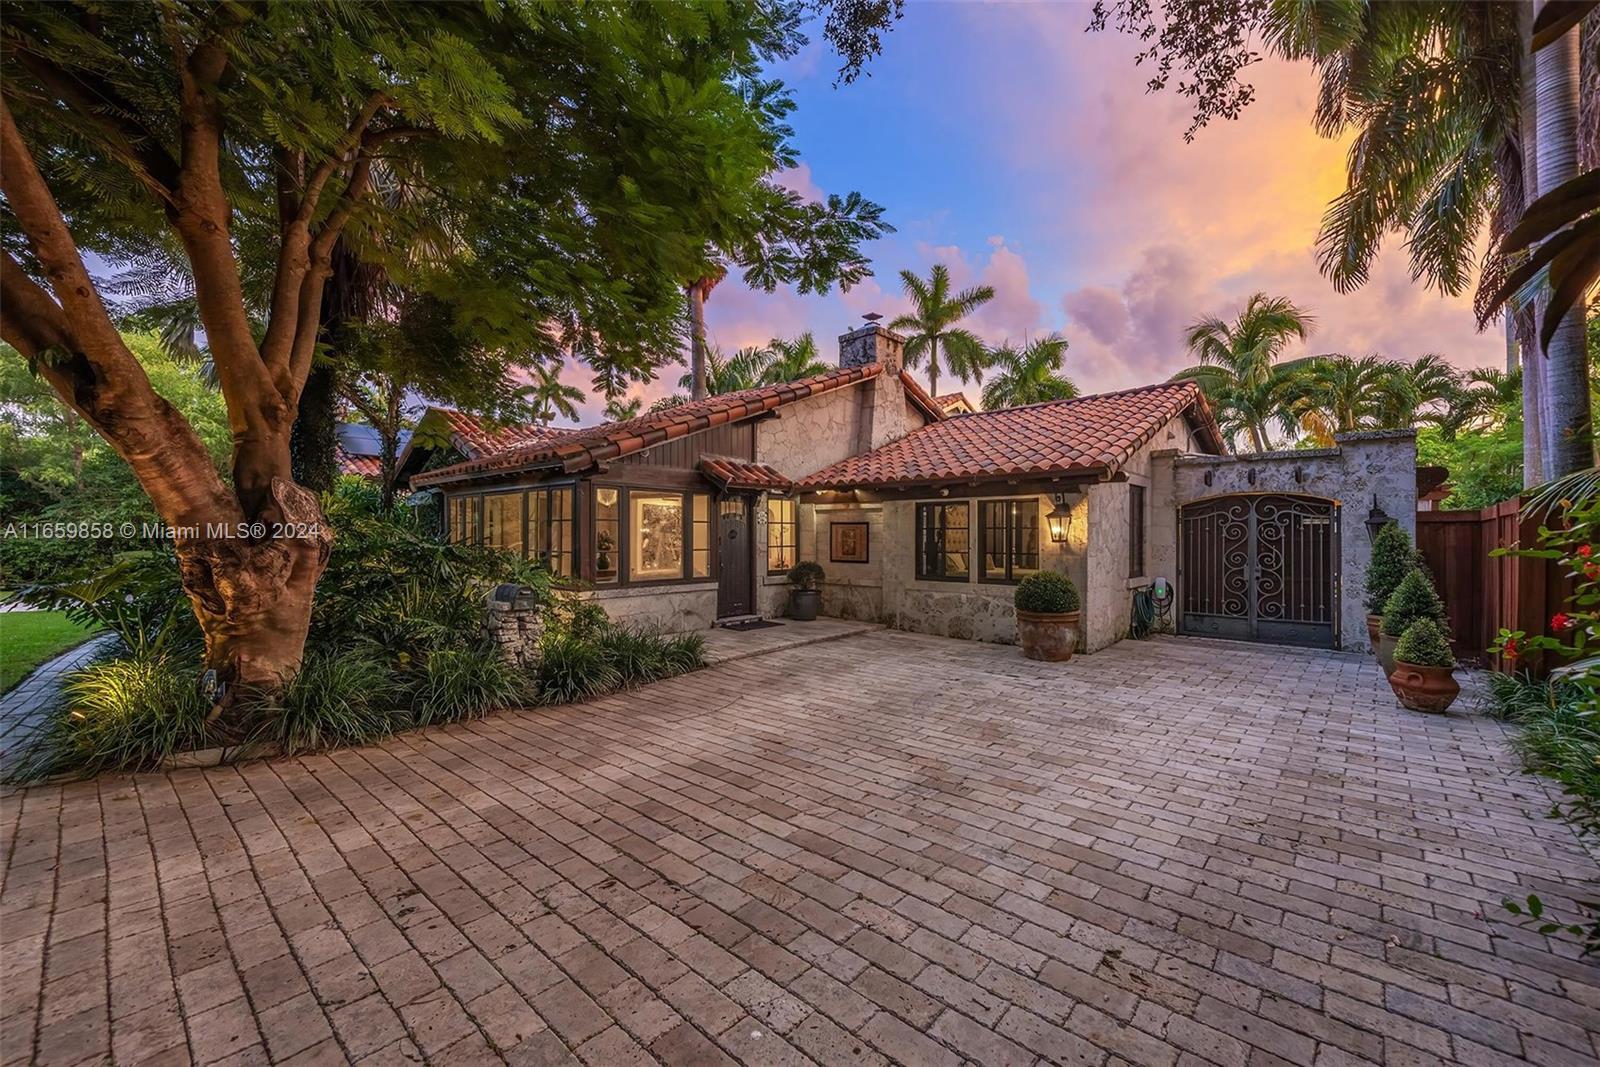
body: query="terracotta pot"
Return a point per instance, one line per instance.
(1385, 648)
(1049, 636)
(1424, 688)
(1373, 622)
(804, 604)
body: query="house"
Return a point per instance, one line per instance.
(358, 450)
(954, 404)
(445, 436)
(925, 520)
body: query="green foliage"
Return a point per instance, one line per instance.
(1046, 593)
(1424, 644)
(1392, 557)
(1414, 598)
(1485, 466)
(56, 471)
(572, 669)
(1237, 369)
(1558, 735)
(122, 714)
(465, 682)
(31, 638)
(138, 597)
(1030, 375)
(338, 698)
(807, 574)
(931, 327)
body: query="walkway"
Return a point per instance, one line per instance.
(883, 848)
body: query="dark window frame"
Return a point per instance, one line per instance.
(793, 524)
(535, 543)
(624, 549)
(930, 542)
(1138, 516)
(1010, 529)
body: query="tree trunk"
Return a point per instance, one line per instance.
(252, 591)
(314, 441)
(1533, 363)
(933, 366)
(697, 337)
(1568, 436)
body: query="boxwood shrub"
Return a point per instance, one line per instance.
(1046, 593)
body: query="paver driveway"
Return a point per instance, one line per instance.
(887, 847)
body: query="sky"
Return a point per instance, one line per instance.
(1024, 153)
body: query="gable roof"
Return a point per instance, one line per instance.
(955, 404)
(1090, 435)
(575, 450)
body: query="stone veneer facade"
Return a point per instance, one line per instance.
(1360, 469)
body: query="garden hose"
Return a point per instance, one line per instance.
(1144, 614)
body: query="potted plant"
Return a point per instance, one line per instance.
(1414, 598)
(1422, 666)
(604, 545)
(1047, 616)
(805, 600)
(1392, 557)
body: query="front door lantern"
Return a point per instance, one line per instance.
(1377, 519)
(1060, 519)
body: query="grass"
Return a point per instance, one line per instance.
(29, 638)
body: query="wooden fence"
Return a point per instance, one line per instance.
(1485, 594)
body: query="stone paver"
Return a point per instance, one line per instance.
(888, 848)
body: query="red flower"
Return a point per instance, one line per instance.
(1585, 551)
(1561, 621)
(1591, 570)
(1509, 650)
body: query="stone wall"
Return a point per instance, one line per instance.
(514, 621)
(1361, 467)
(672, 607)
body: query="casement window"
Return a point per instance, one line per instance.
(1136, 519)
(782, 535)
(1010, 540)
(943, 543)
(534, 524)
(650, 535)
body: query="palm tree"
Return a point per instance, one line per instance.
(619, 409)
(730, 374)
(932, 324)
(1029, 375)
(549, 396)
(1237, 371)
(1416, 392)
(1337, 394)
(1481, 403)
(792, 360)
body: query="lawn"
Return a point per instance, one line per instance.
(29, 638)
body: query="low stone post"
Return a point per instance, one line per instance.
(515, 622)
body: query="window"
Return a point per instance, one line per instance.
(457, 509)
(502, 522)
(607, 533)
(1010, 540)
(472, 532)
(701, 540)
(655, 537)
(1135, 531)
(781, 535)
(942, 542)
(559, 553)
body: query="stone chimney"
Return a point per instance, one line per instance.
(887, 416)
(873, 343)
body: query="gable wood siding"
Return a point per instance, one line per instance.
(735, 440)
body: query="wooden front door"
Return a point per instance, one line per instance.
(735, 590)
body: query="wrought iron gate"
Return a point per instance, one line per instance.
(1260, 567)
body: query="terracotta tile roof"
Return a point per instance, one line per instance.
(361, 466)
(954, 403)
(576, 450)
(743, 474)
(1090, 435)
(919, 396)
(475, 437)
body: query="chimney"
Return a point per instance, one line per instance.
(873, 343)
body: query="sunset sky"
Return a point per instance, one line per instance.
(1023, 152)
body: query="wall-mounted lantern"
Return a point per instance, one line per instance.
(1060, 518)
(1377, 519)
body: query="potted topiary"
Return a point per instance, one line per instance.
(1414, 598)
(805, 600)
(1422, 666)
(1392, 557)
(1047, 616)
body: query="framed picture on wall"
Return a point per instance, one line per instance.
(847, 542)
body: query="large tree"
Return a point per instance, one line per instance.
(577, 158)
(933, 333)
(1028, 375)
(1238, 368)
